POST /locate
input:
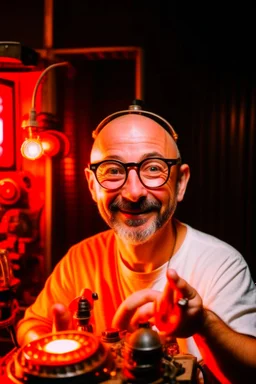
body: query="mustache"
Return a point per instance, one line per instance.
(143, 205)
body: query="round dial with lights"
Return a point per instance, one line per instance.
(62, 355)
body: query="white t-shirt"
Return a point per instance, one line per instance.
(219, 274)
(215, 269)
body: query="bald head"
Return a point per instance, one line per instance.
(133, 133)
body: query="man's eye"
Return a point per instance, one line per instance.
(153, 168)
(110, 170)
(113, 171)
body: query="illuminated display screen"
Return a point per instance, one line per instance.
(7, 139)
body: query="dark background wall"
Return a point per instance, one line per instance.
(199, 74)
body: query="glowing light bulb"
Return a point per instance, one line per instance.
(32, 149)
(61, 346)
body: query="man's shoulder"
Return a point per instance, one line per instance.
(96, 251)
(205, 254)
(203, 240)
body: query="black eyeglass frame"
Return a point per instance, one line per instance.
(169, 162)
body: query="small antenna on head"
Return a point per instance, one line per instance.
(137, 104)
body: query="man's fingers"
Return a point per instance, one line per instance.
(128, 308)
(61, 318)
(161, 307)
(143, 314)
(179, 286)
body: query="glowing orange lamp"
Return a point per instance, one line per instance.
(33, 146)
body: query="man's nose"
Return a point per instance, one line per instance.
(133, 189)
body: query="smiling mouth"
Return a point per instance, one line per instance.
(133, 209)
(135, 212)
(133, 219)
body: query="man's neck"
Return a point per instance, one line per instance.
(157, 251)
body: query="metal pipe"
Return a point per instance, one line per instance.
(79, 51)
(47, 101)
(139, 78)
(48, 24)
(138, 53)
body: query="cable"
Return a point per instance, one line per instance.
(201, 368)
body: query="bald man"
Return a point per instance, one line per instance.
(148, 263)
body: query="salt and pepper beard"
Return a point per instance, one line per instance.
(129, 232)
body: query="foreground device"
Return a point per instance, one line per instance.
(78, 357)
(115, 357)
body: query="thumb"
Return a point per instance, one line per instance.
(62, 318)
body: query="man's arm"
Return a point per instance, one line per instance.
(29, 331)
(231, 356)
(62, 320)
(228, 354)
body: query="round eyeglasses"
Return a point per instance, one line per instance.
(152, 172)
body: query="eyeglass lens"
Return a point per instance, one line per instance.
(152, 172)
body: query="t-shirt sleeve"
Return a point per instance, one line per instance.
(57, 289)
(231, 294)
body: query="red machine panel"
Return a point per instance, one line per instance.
(7, 127)
(22, 188)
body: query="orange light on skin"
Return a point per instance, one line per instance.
(61, 346)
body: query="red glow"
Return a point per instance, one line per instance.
(50, 143)
(9, 60)
(9, 191)
(7, 153)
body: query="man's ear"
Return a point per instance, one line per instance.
(182, 182)
(91, 183)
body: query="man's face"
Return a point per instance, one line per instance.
(135, 212)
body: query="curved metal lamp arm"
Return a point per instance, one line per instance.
(40, 78)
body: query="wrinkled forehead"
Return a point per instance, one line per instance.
(133, 133)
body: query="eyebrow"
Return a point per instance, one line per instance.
(145, 156)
